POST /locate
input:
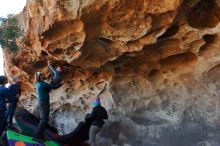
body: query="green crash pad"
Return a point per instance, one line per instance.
(16, 139)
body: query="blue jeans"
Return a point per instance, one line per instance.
(10, 112)
(3, 122)
(44, 118)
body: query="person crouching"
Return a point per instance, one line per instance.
(97, 117)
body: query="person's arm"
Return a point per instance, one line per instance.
(19, 91)
(8, 95)
(10, 87)
(56, 86)
(49, 86)
(15, 88)
(92, 116)
(52, 69)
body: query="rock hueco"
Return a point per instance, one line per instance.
(159, 58)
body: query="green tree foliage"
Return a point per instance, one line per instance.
(9, 32)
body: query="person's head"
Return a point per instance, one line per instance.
(60, 69)
(39, 76)
(96, 102)
(15, 79)
(3, 80)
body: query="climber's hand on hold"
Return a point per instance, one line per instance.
(49, 63)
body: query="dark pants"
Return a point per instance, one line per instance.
(3, 122)
(10, 112)
(44, 118)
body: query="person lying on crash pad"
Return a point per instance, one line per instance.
(79, 134)
(87, 130)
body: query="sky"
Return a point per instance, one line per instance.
(9, 7)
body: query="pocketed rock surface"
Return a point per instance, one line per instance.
(160, 60)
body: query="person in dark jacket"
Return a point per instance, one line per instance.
(97, 117)
(16, 93)
(5, 96)
(43, 90)
(56, 74)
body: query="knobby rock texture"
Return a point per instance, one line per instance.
(160, 60)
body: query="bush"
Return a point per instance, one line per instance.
(9, 32)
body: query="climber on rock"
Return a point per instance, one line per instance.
(43, 89)
(56, 74)
(16, 93)
(97, 117)
(5, 96)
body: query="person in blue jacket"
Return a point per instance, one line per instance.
(5, 96)
(16, 93)
(43, 89)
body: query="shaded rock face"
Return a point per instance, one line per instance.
(159, 58)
